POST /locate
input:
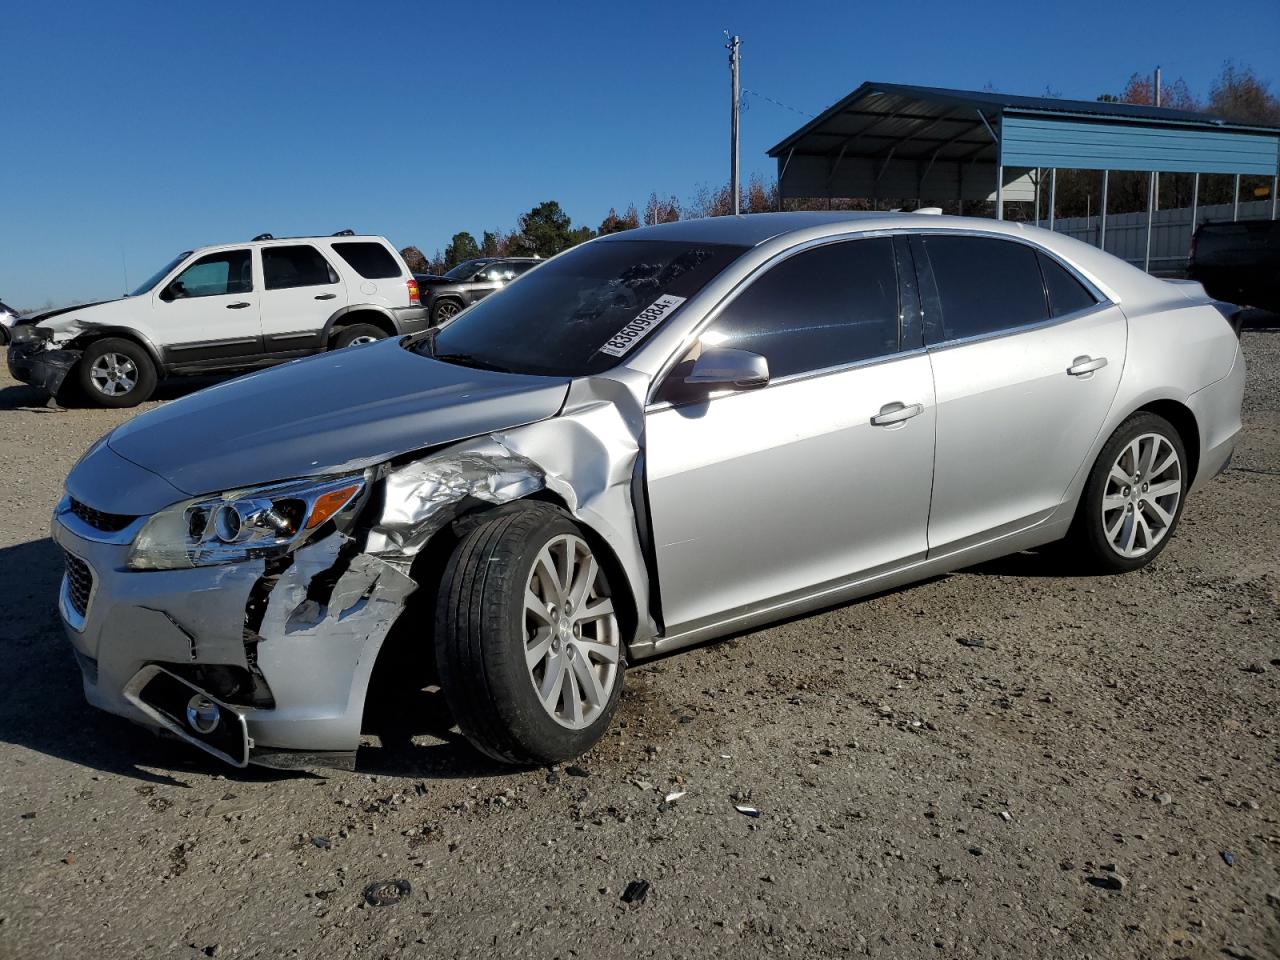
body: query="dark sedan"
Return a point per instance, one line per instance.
(471, 280)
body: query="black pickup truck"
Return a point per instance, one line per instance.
(1238, 261)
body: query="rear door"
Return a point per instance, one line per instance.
(301, 290)
(209, 313)
(1026, 363)
(782, 491)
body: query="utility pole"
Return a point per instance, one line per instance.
(1157, 87)
(733, 44)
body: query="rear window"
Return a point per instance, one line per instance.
(1066, 293)
(371, 260)
(300, 266)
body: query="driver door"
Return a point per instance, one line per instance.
(824, 474)
(209, 313)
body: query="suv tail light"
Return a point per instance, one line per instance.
(414, 296)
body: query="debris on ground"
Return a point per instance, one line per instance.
(745, 810)
(385, 893)
(636, 891)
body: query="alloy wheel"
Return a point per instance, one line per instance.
(572, 638)
(1141, 496)
(113, 374)
(359, 340)
(447, 311)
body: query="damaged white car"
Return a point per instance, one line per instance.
(656, 438)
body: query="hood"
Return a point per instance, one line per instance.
(74, 320)
(338, 411)
(434, 280)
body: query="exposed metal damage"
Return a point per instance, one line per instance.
(318, 619)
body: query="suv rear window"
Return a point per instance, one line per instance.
(300, 266)
(371, 260)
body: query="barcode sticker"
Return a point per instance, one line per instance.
(621, 342)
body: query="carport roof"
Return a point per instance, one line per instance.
(935, 123)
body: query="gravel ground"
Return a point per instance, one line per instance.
(1000, 763)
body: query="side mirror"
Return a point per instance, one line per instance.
(726, 367)
(174, 291)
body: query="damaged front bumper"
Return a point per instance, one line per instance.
(36, 363)
(297, 681)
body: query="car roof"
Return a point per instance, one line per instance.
(749, 229)
(291, 241)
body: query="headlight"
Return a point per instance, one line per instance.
(261, 522)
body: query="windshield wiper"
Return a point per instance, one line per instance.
(467, 360)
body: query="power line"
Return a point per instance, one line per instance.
(776, 103)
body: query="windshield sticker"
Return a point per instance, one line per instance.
(621, 342)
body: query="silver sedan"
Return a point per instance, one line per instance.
(656, 438)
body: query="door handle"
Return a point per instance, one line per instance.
(896, 412)
(238, 306)
(1083, 366)
(326, 296)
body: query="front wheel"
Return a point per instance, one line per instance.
(1133, 498)
(116, 373)
(444, 311)
(528, 639)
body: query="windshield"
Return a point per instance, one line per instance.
(159, 274)
(465, 269)
(581, 313)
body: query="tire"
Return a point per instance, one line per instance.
(116, 373)
(1100, 540)
(356, 334)
(484, 629)
(444, 310)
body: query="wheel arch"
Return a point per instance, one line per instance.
(409, 647)
(84, 339)
(380, 317)
(1184, 421)
(457, 298)
(429, 563)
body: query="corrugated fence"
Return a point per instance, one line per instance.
(1170, 232)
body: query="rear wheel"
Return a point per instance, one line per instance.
(116, 373)
(357, 334)
(528, 640)
(1133, 498)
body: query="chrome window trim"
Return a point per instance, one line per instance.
(1099, 294)
(659, 405)
(942, 345)
(1104, 300)
(760, 269)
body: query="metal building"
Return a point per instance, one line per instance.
(894, 140)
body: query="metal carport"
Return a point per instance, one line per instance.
(895, 140)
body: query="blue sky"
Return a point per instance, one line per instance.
(133, 131)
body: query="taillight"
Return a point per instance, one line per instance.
(414, 296)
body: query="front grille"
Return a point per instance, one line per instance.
(106, 522)
(79, 584)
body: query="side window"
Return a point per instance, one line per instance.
(1066, 293)
(216, 275)
(300, 266)
(985, 285)
(519, 267)
(371, 260)
(828, 306)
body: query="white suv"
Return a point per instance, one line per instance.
(230, 307)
